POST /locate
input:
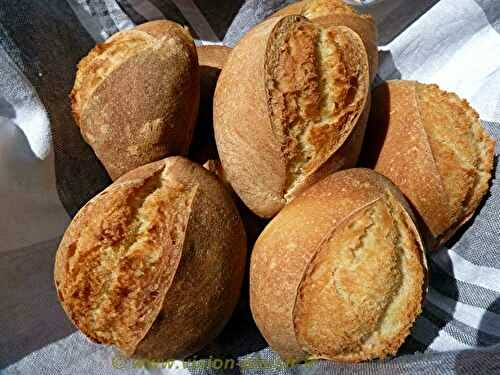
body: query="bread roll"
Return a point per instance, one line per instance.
(211, 59)
(136, 96)
(338, 13)
(340, 272)
(154, 264)
(287, 108)
(430, 143)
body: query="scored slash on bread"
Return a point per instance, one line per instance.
(340, 272)
(136, 96)
(338, 13)
(430, 143)
(290, 96)
(161, 251)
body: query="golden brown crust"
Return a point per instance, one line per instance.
(433, 147)
(338, 13)
(328, 114)
(400, 146)
(347, 155)
(373, 313)
(161, 240)
(462, 149)
(335, 228)
(136, 96)
(242, 129)
(288, 99)
(316, 90)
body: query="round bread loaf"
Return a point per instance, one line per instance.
(340, 272)
(430, 143)
(136, 96)
(154, 264)
(211, 59)
(289, 109)
(338, 13)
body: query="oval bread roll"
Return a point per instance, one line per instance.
(288, 109)
(340, 272)
(154, 264)
(136, 96)
(338, 13)
(430, 143)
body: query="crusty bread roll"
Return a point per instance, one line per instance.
(287, 109)
(430, 143)
(154, 264)
(211, 59)
(136, 96)
(340, 272)
(338, 13)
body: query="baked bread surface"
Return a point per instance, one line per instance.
(338, 13)
(136, 96)
(289, 97)
(431, 144)
(154, 264)
(340, 272)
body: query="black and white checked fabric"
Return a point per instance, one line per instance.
(40, 44)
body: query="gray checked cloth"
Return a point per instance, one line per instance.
(47, 173)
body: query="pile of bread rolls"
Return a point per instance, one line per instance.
(155, 263)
